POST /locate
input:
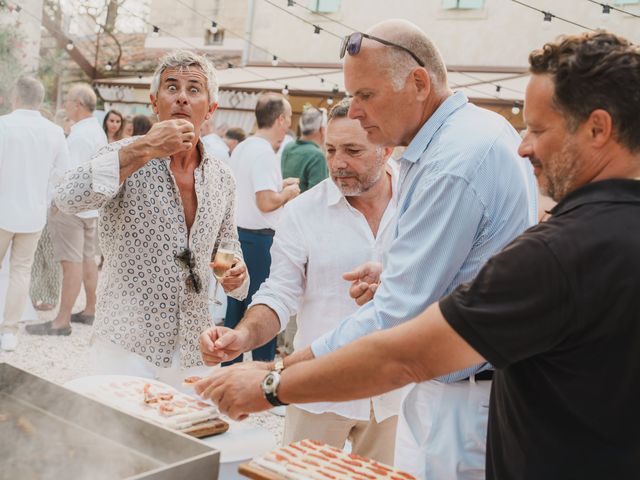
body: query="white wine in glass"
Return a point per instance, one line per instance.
(223, 260)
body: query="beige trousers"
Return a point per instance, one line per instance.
(23, 248)
(368, 439)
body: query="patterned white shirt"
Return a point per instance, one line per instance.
(144, 304)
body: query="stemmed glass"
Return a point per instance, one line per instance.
(223, 260)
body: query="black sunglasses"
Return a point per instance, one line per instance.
(351, 44)
(188, 259)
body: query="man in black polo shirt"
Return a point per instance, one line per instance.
(557, 311)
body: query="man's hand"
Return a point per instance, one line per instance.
(234, 277)
(291, 191)
(221, 344)
(365, 280)
(235, 390)
(290, 181)
(169, 137)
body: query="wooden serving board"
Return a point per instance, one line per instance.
(207, 429)
(255, 472)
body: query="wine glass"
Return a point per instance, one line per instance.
(223, 260)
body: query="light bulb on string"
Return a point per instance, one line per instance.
(330, 101)
(498, 89)
(214, 27)
(156, 31)
(290, 3)
(606, 13)
(546, 21)
(229, 65)
(316, 29)
(69, 45)
(109, 66)
(274, 61)
(515, 109)
(285, 90)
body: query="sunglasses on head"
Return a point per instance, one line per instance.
(351, 44)
(188, 259)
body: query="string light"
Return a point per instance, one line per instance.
(548, 16)
(606, 9)
(285, 90)
(316, 29)
(156, 31)
(516, 108)
(214, 27)
(330, 101)
(230, 65)
(109, 66)
(274, 61)
(290, 3)
(69, 45)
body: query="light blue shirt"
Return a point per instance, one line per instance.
(464, 193)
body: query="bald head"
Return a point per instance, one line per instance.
(398, 63)
(84, 95)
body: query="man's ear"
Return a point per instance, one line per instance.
(422, 82)
(600, 127)
(154, 103)
(212, 108)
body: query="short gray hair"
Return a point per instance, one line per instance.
(184, 59)
(312, 120)
(29, 92)
(84, 95)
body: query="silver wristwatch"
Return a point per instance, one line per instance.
(270, 386)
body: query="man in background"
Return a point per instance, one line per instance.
(233, 137)
(304, 158)
(74, 236)
(33, 154)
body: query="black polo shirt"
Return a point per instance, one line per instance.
(558, 313)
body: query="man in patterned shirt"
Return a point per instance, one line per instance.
(165, 206)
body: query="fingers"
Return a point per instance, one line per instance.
(357, 273)
(206, 340)
(367, 295)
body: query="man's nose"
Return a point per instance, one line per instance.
(182, 96)
(354, 110)
(524, 149)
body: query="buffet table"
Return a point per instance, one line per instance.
(240, 443)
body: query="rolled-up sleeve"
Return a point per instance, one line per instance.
(286, 283)
(90, 185)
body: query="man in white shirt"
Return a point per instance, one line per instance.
(74, 236)
(33, 154)
(213, 143)
(353, 210)
(261, 193)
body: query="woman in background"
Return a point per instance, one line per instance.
(113, 125)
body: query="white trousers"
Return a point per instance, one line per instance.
(107, 358)
(442, 430)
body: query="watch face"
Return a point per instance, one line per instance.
(269, 384)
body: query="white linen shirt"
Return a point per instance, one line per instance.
(84, 140)
(320, 237)
(33, 156)
(256, 168)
